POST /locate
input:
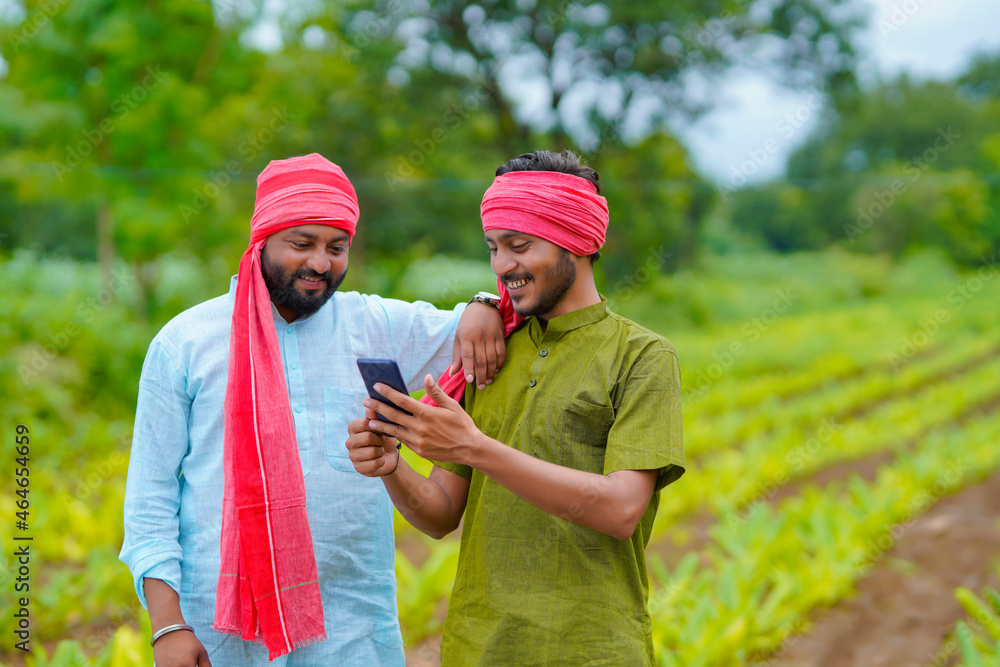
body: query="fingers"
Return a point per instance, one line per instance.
(456, 357)
(481, 365)
(501, 351)
(469, 362)
(438, 394)
(490, 352)
(369, 457)
(357, 426)
(400, 399)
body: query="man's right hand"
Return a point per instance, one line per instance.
(180, 649)
(372, 454)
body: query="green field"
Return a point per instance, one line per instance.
(830, 400)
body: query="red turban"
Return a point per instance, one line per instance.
(268, 588)
(561, 208)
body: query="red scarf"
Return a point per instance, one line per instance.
(268, 588)
(561, 208)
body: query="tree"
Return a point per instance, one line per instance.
(107, 110)
(904, 165)
(614, 69)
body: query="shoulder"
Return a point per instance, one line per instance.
(391, 308)
(358, 303)
(206, 321)
(637, 340)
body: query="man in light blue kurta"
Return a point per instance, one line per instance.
(217, 388)
(173, 499)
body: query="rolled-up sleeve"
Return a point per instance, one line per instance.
(152, 491)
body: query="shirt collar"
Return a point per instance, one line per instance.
(579, 318)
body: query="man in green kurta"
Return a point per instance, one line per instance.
(558, 463)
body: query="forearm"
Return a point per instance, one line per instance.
(610, 504)
(423, 502)
(164, 603)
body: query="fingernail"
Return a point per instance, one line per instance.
(367, 402)
(470, 377)
(482, 386)
(378, 387)
(489, 382)
(372, 424)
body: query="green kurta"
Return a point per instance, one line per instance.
(594, 392)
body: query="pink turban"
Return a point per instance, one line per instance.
(268, 588)
(561, 208)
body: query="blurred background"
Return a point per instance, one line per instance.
(804, 197)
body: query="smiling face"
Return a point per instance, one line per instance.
(537, 273)
(303, 266)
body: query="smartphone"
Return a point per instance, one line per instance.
(387, 372)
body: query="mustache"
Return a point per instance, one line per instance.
(514, 277)
(312, 275)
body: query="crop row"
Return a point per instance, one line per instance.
(740, 477)
(705, 432)
(743, 597)
(977, 638)
(726, 370)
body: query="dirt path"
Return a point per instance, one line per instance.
(905, 606)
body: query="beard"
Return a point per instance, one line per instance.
(558, 279)
(281, 286)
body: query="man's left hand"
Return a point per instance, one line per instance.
(445, 433)
(479, 350)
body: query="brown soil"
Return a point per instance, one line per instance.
(905, 607)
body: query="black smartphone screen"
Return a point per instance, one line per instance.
(387, 372)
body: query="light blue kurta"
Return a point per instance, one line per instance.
(173, 497)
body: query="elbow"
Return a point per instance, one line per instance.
(443, 529)
(626, 521)
(437, 533)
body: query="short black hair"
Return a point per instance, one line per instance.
(565, 162)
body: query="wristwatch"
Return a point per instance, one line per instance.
(487, 298)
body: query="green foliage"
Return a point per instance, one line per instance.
(905, 166)
(979, 637)
(599, 64)
(823, 357)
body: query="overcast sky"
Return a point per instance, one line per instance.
(756, 124)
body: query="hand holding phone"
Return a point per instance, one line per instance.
(387, 372)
